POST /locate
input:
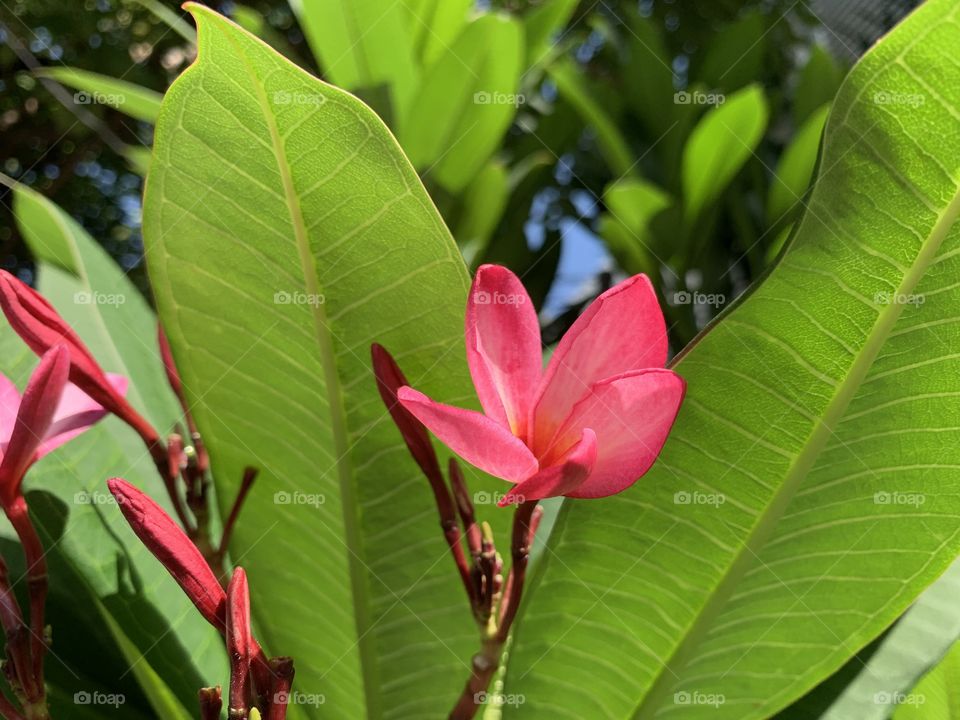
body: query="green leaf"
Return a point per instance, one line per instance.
(817, 85)
(914, 645)
(483, 204)
(542, 24)
(170, 18)
(719, 146)
(96, 89)
(465, 102)
(734, 55)
(282, 240)
(806, 495)
(361, 44)
(648, 77)
(572, 87)
(434, 25)
(796, 166)
(137, 595)
(628, 226)
(935, 698)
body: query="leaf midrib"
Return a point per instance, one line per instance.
(886, 320)
(338, 422)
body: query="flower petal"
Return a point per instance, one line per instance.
(632, 415)
(75, 413)
(621, 331)
(503, 346)
(9, 404)
(473, 436)
(40, 326)
(37, 407)
(561, 479)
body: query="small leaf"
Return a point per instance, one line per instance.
(96, 89)
(719, 146)
(465, 102)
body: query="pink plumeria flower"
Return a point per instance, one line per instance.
(69, 411)
(588, 426)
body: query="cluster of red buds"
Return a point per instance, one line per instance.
(259, 687)
(493, 601)
(67, 393)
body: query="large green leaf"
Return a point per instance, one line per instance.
(465, 102)
(807, 493)
(361, 44)
(156, 626)
(719, 146)
(282, 240)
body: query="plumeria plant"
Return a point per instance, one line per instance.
(239, 519)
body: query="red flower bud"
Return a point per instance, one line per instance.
(170, 545)
(37, 407)
(390, 379)
(41, 328)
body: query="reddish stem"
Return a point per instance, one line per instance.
(249, 475)
(486, 662)
(19, 517)
(20, 674)
(282, 669)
